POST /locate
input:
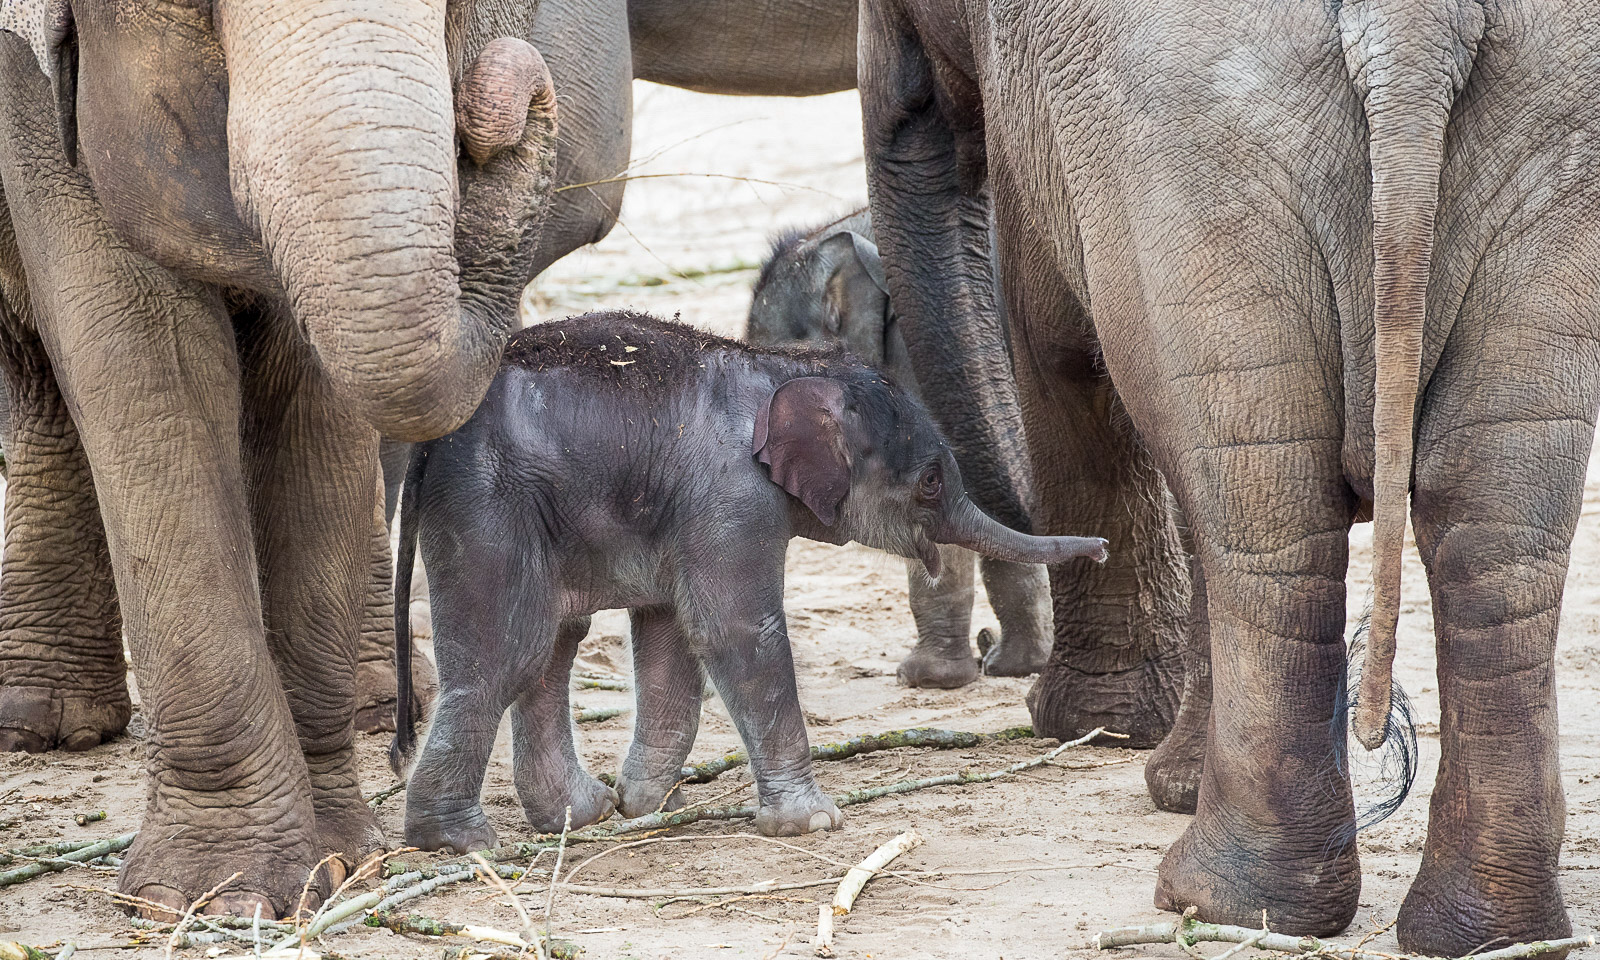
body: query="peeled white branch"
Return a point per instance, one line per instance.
(850, 887)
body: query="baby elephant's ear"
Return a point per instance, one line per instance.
(800, 435)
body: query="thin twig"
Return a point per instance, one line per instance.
(555, 874)
(529, 934)
(205, 898)
(385, 794)
(1188, 932)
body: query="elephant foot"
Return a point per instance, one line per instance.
(173, 863)
(1454, 909)
(925, 666)
(636, 798)
(1066, 703)
(1009, 658)
(589, 800)
(1231, 878)
(792, 814)
(38, 718)
(463, 832)
(348, 828)
(375, 693)
(1172, 774)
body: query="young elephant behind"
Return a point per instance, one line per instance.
(621, 461)
(825, 286)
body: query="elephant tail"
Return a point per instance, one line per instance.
(404, 746)
(1382, 779)
(1408, 59)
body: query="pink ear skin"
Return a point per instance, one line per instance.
(800, 435)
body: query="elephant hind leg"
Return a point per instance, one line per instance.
(1172, 774)
(551, 780)
(63, 677)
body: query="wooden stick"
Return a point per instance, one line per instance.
(75, 858)
(1188, 932)
(383, 795)
(869, 743)
(428, 926)
(599, 683)
(850, 887)
(598, 714)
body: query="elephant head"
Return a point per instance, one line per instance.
(827, 286)
(868, 464)
(379, 167)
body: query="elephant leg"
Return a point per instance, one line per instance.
(667, 681)
(1274, 825)
(63, 677)
(314, 541)
(375, 680)
(1019, 594)
(942, 610)
(1501, 455)
(1117, 660)
(1172, 774)
(551, 780)
(495, 631)
(148, 367)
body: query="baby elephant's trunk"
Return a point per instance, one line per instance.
(967, 526)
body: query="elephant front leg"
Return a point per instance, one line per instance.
(744, 643)
(148, 366)
(312, 472)
(942, 610)
(1019, 594)
(667, 682)
(375, 678)
(63, 677)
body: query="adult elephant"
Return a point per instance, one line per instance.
(1304, 257)
(240, 240)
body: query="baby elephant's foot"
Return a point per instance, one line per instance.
(637, 798)
(1005, 657)
(591, 802)
(458, 833)
(924, 667)
(789, 815)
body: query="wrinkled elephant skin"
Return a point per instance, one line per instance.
(1240, 240)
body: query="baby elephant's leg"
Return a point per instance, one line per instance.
(550, 778)
(746, 650)
(667, 681)
(492, 629)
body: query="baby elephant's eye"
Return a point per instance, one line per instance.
(930, 483)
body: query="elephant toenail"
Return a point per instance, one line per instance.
(820, 821)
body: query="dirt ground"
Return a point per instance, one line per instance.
(1083, 843)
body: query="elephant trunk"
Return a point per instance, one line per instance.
(404, 274)
(966, 526)
(1408, 62)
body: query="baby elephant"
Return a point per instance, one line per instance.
(826, 286)
(622, 461)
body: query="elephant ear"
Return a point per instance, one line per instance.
(857, 294)
(800, 435)
(47, 26)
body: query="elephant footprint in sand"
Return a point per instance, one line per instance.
(621, 461)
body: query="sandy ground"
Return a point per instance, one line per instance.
(1084, 843)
